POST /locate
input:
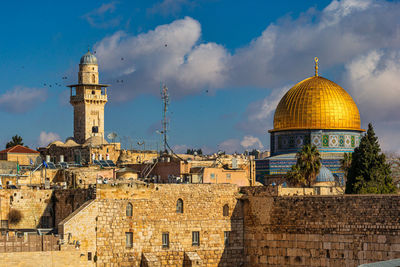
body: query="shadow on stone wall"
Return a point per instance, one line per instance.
(61, 204)
(233, 254)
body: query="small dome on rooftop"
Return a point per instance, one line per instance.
(95, 141)
(88, 58)
(325, 175)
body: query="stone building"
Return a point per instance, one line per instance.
(159, 225)
(21, 154)
(315, 111)
(88, 98)
(231, 169)
(141, 224)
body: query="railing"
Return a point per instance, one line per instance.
(147, 170)
(88, 97)
(29, 243)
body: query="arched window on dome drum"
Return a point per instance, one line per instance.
(225, 210)
(93, 78)
(179, 206)
(129, 209)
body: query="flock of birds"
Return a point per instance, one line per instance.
(66, 78)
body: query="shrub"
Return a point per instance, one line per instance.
(14, 216)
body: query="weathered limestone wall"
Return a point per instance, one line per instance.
(83, 222)
(40, 208)
(154, 213)
(44, 259)
(320, 230)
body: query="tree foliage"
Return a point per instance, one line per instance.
(369, 173)
(15, 140)
(307, 166)
(345, 164)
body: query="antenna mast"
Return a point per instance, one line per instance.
(165, 99)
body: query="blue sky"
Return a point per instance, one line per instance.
(226, 63)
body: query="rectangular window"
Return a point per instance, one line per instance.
(129, 239)
(4, 224)
(226, 238)
(165, 240)
(212, 175)
(195, 238)
(89, 256)
(228, 176)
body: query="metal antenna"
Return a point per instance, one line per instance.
(165, 99)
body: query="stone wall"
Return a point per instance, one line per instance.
(320, 230)
(44, 259)
(154, 212)
(41, 208)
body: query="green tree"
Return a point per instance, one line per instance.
(345, 164)
(307, 166)
(296, 177)
(309, 162)
(15, 140)
(369, 172)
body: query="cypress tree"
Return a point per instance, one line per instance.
(369, 173)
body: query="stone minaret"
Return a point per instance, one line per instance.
(88, 98)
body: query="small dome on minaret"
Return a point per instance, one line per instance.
(88, 58)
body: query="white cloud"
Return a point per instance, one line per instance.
(251, 142)
(170, 7)
(169, 54)
(230, 146)
(373, 80)
(282, 54)
(46, 138)
(259, 115)
(180, 148)
(238, 146)
(100, 17)
(21, 99)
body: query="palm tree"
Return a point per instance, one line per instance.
(345, 163)
(309, 163)
(295, 176)
(15, 140)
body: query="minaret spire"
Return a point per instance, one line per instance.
(316, 66)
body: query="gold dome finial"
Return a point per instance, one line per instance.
(316, 66)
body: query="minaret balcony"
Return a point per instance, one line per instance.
(78, 98)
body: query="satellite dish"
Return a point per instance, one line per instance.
(112, 136)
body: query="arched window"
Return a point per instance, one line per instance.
(129, 210)
(93, 78)
(225, 210)
(179, 206)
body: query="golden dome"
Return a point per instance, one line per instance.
(316, 103)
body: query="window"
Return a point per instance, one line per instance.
(212, 175)
(195, 238)
(129, 210)
(129, 239)
(226, 238)
(89, 256)
(93, 78)
(179, 206)
(225, 210)
(228, 176)
(4, 224)
(165, 240)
